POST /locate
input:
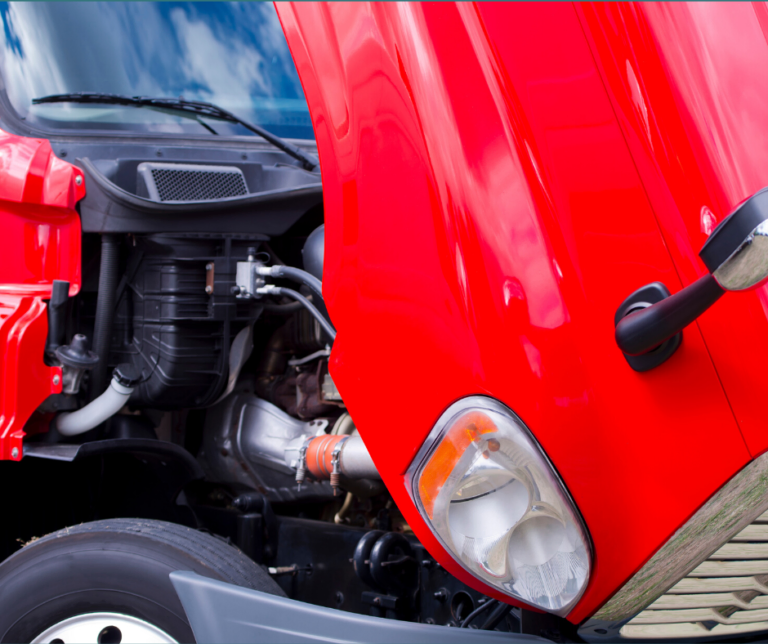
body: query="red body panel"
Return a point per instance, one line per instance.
(484, 219)
(689, 82)
(40, 242)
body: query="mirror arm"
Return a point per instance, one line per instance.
(644, 330)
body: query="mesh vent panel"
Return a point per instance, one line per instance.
(197, 185)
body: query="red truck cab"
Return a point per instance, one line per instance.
(541, 303)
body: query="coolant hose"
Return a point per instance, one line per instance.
(105, 312)
(105, 406)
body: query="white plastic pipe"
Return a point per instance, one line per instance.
(96, 412)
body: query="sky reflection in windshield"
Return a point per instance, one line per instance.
(231, 54)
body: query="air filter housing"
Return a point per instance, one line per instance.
(178, 182)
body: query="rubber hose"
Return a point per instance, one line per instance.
(298, 275)
(96, 412)
(105, 312)
(295, 295)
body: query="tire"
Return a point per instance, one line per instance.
(118, 567)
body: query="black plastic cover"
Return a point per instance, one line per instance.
(169, 327)
(127, 375)
(277, 200)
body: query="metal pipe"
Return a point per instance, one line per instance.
(354, 460)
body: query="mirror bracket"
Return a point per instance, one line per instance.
(643, 298)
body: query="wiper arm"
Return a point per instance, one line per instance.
(308, 162)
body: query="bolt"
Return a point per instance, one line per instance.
(235, 290)
(208, 266)
(339, 598)
(15, 453)
(56, 379)
(78, 178)
(209, 289)
(441, 595)
(377, 601)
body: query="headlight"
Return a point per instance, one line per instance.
(493, 500)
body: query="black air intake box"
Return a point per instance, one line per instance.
(177, 333)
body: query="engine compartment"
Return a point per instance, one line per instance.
(193, 311)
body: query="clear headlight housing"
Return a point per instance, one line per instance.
(494, 501)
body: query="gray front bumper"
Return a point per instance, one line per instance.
(223, 613)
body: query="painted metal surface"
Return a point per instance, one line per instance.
(484, 219)
(728, 512)
(711, 601)
(689, 85)
(39, 242)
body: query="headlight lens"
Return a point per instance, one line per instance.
(493, 500)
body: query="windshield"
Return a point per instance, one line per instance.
(229, 53)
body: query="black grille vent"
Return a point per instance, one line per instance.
(177, 182)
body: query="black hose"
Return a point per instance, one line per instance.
(477, 611)
(295, 295)
(105, 312)
(494, 619)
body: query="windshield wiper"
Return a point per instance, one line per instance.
(308, 162)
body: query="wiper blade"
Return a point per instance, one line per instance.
(200, 108)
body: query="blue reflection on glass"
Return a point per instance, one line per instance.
(233, 54)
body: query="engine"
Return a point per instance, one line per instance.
(201, 336)
(186, 322)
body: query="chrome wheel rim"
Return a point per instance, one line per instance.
(103, 628)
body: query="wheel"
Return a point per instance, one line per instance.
(107, 582)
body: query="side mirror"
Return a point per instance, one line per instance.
(736, 255)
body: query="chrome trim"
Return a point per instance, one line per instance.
(748, 264)
(728, 512)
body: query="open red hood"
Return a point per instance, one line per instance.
(497, 179)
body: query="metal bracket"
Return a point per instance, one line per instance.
(247, 279)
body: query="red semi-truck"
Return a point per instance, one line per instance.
(349, 322)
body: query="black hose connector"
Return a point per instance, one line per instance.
(105, 312)
(57, 319)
